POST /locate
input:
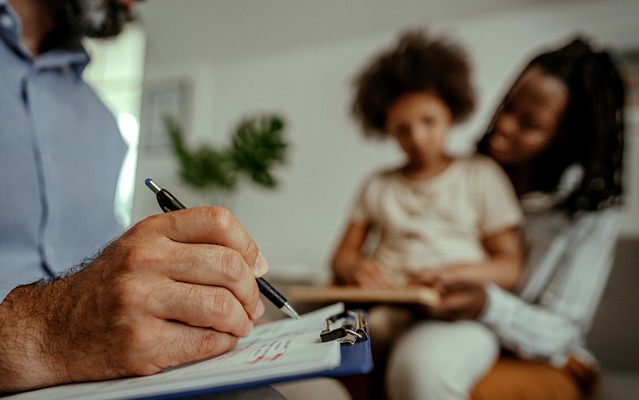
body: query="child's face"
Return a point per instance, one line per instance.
(419, 122)
(530, 119)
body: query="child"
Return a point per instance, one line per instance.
(447, 220)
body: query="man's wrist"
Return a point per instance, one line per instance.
(26, 361)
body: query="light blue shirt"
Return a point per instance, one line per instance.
(60, 156)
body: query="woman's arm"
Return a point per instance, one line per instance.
(551, 324)
(349, 264)
(565, 306)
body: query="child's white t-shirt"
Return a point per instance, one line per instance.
(441, 221)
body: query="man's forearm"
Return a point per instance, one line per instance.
(24, 360)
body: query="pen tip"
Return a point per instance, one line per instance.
(290, 311)
(148, 181)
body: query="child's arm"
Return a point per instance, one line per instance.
(503, 265)
(350, 266)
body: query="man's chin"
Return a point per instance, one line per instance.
(93, 20)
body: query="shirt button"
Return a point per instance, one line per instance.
(6, 21)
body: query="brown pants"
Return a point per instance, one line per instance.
(513, 378)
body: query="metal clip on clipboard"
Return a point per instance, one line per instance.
(353, 328)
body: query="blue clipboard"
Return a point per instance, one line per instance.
(355, 349)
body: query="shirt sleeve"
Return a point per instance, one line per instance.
(496, 197)
(4, 291)
(550, 328)
(361, 209)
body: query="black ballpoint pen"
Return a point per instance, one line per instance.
(168, 203)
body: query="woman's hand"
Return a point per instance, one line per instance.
(459, 301)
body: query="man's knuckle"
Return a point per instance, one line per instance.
(222, 304)
(215, 343)
(222, 218)
(232, 265)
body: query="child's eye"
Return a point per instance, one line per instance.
(428, 120)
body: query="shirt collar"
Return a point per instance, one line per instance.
(11, 31)
(77, 60)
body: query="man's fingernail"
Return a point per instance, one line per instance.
(259, 308)
(261, 266)
(251, 326)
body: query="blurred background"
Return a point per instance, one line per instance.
(211, 63)
(218, 61)
(298, 59)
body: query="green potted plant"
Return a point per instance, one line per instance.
(257, 146)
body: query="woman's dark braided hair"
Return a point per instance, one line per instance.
(593, 124)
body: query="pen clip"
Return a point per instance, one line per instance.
(168, 202)
(163, 206)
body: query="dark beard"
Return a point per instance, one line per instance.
(92, 18)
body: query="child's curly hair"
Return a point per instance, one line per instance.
(416, 63)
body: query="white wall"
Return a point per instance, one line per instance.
(298, 225)
(116, 73)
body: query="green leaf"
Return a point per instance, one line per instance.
(257, 147)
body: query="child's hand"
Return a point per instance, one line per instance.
(440, 278)
(368, 275)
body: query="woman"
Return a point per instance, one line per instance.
(558, 134)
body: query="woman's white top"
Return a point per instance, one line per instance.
(568, 262)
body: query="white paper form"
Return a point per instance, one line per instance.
(274, 350)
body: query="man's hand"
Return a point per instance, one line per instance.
(175, 288)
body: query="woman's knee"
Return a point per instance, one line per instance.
(440, 360)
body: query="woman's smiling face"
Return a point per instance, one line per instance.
(530, 119)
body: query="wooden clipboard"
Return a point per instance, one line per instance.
(354, 294)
